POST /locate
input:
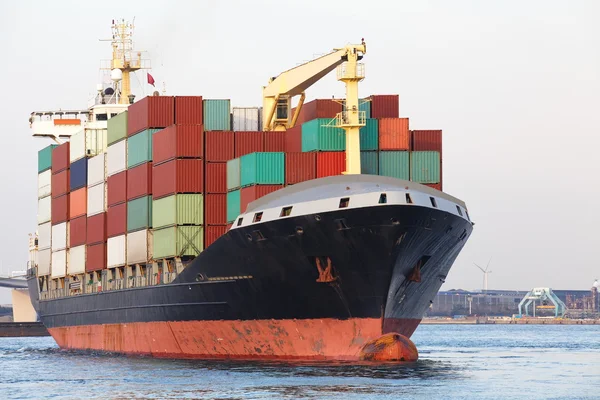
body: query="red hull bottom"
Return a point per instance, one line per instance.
(311, 339)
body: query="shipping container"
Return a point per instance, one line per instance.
(262, 169)
(385, 106)
(96, 257)
(116, 220)
(116, 255)
(78, 203)
(212, 233)
(139, 148)
(300, 167)
(117, 188)
(96, 170)
(60, 236)
(44, 184)
(436, 186)
(44, 209)
(248, 142)
(369, 135)
(274, 141)
(44, 235)
(251, 193)
(427, 141)
(60, 158)
(219, 146)
(425, 166)
(369, 162)
(150, 112)
(319, 108)
(215, 177)
(59, 263)
(178, 176)
(246, 118)
(365, 106)
(188, 110)
(216, 115)
(233, 174)
(179, 209)
(116, 158)
(215, 209)
(233, 205)
(178, 241)
(45, 158)
(117, 128)
(60, 183)
(139, 183)
(177, 141)
(44, 257)
(139, 214)
(394, 134)
(60, 209)
(293, 139)
(77, 231)
(87, 143)
(96, 203)
(395, 164)
(96, 229)
(318, 136)
(78, 174)
(76, 260)
(330, 163)
(139, 247)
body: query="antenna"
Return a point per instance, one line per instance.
(485, 274)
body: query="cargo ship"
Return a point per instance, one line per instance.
(180, 227)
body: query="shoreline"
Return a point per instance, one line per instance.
(509, 321)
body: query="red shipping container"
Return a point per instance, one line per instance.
(319, 108)
(95, 257)
(96, 229)
(300, 167)
(60, 183)
(437, 186)
(212, 233)
(216, 177)
(219, 146)
(60, 209)
(188, 110)
(139, 183)
(117, 188)
(116, 220)
(427, 141)
(177, 141)
(394, 134)
(60, 158)
(78, 203)
(251, 193)
(248, 142)
(77, 231)
(150, 112)
(385, 106)
(215, 209)
(293, 139)
(178, 176)
(274, 141)
(330, 163)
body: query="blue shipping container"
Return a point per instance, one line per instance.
(395, 164)
(369, 162)
(78, 174)
(217, 115)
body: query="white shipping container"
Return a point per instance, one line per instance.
(87, 143)
(245, 118)
(76, 260)
(116, 157)
(44, 184)
(44, 236)
(139, 246)
(44, 208)
(59, 263)
(44, 257)
(95, 199)
(116, 251)
(96, 169)
(59, 236)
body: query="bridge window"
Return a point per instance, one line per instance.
(408, 199)
(239, 223)
(257, 217)
(285, 211)
(433, 202)
(101, 117)
(344, 202)
(459, 211)
(382, 198)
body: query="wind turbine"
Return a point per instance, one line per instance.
(485, 274)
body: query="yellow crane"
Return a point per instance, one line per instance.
(278, 94)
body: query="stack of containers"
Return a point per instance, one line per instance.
(426, 158)
(59, 210)
(44, 209)
(394, 146)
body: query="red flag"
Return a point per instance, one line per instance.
(150, 79)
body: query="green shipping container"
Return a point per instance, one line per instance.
(139, 214)
(139, 148)
(369, 135)
(233, 205)
(394, 164)
(369, 162)
(117, 128)
(179, 209)
(178, 241)
(365, 105)
(425, 166)
(217, 115)
(233, 174)
(262, 169)
(318, 137)
(45, 158)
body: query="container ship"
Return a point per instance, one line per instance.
(183, 227)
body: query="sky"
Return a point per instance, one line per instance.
(514, 85)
